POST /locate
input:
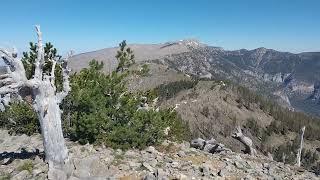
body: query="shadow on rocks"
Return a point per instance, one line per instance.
(7, 158)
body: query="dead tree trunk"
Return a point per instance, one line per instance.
(301, 146)
(283, 158)
(45, 99)
(49, 115)
(246, 141)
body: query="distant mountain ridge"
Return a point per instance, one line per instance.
(293, 78)
(142, 52)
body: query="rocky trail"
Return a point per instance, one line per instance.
(21, 157)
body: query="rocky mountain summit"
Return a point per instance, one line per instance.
(291, 78)
(22, 158)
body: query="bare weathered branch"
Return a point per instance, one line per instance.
(40, 55)
(15, 77)
(52, 74)
(65, 77)
(246, 141)
(53, 67)
(8, 89)
(2, 76)
(10, 58)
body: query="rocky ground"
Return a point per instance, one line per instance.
(21, 157)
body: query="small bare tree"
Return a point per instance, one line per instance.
(45, 99)
(301, 146)
(246, 141)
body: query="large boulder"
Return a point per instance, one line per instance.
(210, 146)
(198, 143)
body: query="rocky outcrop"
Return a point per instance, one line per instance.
(278, 77)
(316, 92)
(283, 98)
(22, 158)
(209, 146)
(300, 87)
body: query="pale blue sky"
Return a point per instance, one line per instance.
(286, 25)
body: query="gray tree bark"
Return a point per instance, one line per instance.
(45, 102)
(246, 141)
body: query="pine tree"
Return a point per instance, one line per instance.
(124, 56)
(50, 53)
(102, 110)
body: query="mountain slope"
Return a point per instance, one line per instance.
(291, 78)
(142, 52)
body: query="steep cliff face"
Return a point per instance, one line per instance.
(316, 92)
(282, 74)
(283, 99)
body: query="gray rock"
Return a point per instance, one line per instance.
(87, 166)
(100, 169)
(150, 176)
(111, 178)
(220, 147)
(161, 174)
(222, 172)
(168, 159)
(205, 169)
(181, 177)
(211, 141)
(36, 172)
(248, 177)
(198, 143)
(239, 165)
(148, 167)
(57, 174)
(214, 148)
(181, 154)
(131, 153)
(151, 150)
(21, 175)
(159, 157)
(210, 148)
(184, 145)
(119, 152)
(41, 176)
(134, 165)
(5, 161)
(97, 178)
(175, 164)
(73, 178)
(153, 163)
(38, 160)
(124, 167)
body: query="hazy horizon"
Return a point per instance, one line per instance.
(290, 26)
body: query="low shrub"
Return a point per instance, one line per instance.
(167, 91)
(19, 118)
(27, 165)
